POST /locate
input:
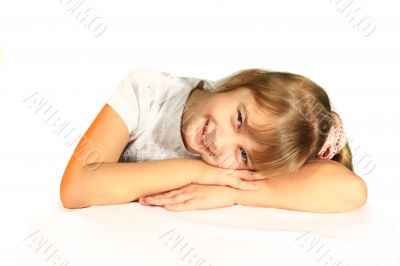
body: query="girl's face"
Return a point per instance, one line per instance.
(213, 125)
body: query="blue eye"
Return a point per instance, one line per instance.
(241, 150)
(240, 118)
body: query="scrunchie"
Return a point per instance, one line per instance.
(335, 141)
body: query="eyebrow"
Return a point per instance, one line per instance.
(248, 152)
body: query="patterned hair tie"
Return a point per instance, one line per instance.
(335, 141)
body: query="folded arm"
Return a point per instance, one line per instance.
(94, 176)
(319, 186)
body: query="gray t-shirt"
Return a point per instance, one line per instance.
(151, 104)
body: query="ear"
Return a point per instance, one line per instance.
(243, 77)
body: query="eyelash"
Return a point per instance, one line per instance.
(241, 150)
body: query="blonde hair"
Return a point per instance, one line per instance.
(297, 118)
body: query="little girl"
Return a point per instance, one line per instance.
(257, 138)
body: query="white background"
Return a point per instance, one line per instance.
(45, 49)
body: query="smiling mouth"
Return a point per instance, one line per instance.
(203, 138)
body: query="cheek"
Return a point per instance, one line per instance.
(218, 109)
(222, 160)
(217, 101)
(228, 161)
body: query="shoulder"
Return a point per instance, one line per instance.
(149, 77)
(142, 75)
(157, 86)
(161, 78)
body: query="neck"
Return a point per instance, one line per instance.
(193, 103)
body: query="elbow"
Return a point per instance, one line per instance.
(70, 196)
(68, 201)
(360, 193)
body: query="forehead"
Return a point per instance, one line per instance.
(241, 92)
(246, 101)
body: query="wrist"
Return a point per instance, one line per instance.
(197, 170)
(233, 195)
(258, 198)
(203, 173)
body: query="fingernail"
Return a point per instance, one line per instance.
(254, 187)
(142, 201)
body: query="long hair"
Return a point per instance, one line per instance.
(297, 118)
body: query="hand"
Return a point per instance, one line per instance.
(192, 197)
(211, 175)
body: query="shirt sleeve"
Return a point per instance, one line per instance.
(129, 97)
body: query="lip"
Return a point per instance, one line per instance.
(201, 140)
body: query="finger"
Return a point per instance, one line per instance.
(143, 202)
(167, 194)
(160, 196)
(178, 198)
(253, 176)
(183, 206)
(240, 184)
(157, 197)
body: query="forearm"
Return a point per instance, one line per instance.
(328, 189)
(112, 183)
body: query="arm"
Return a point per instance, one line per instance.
(112, 183)
(93, 175)
(319, 186)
